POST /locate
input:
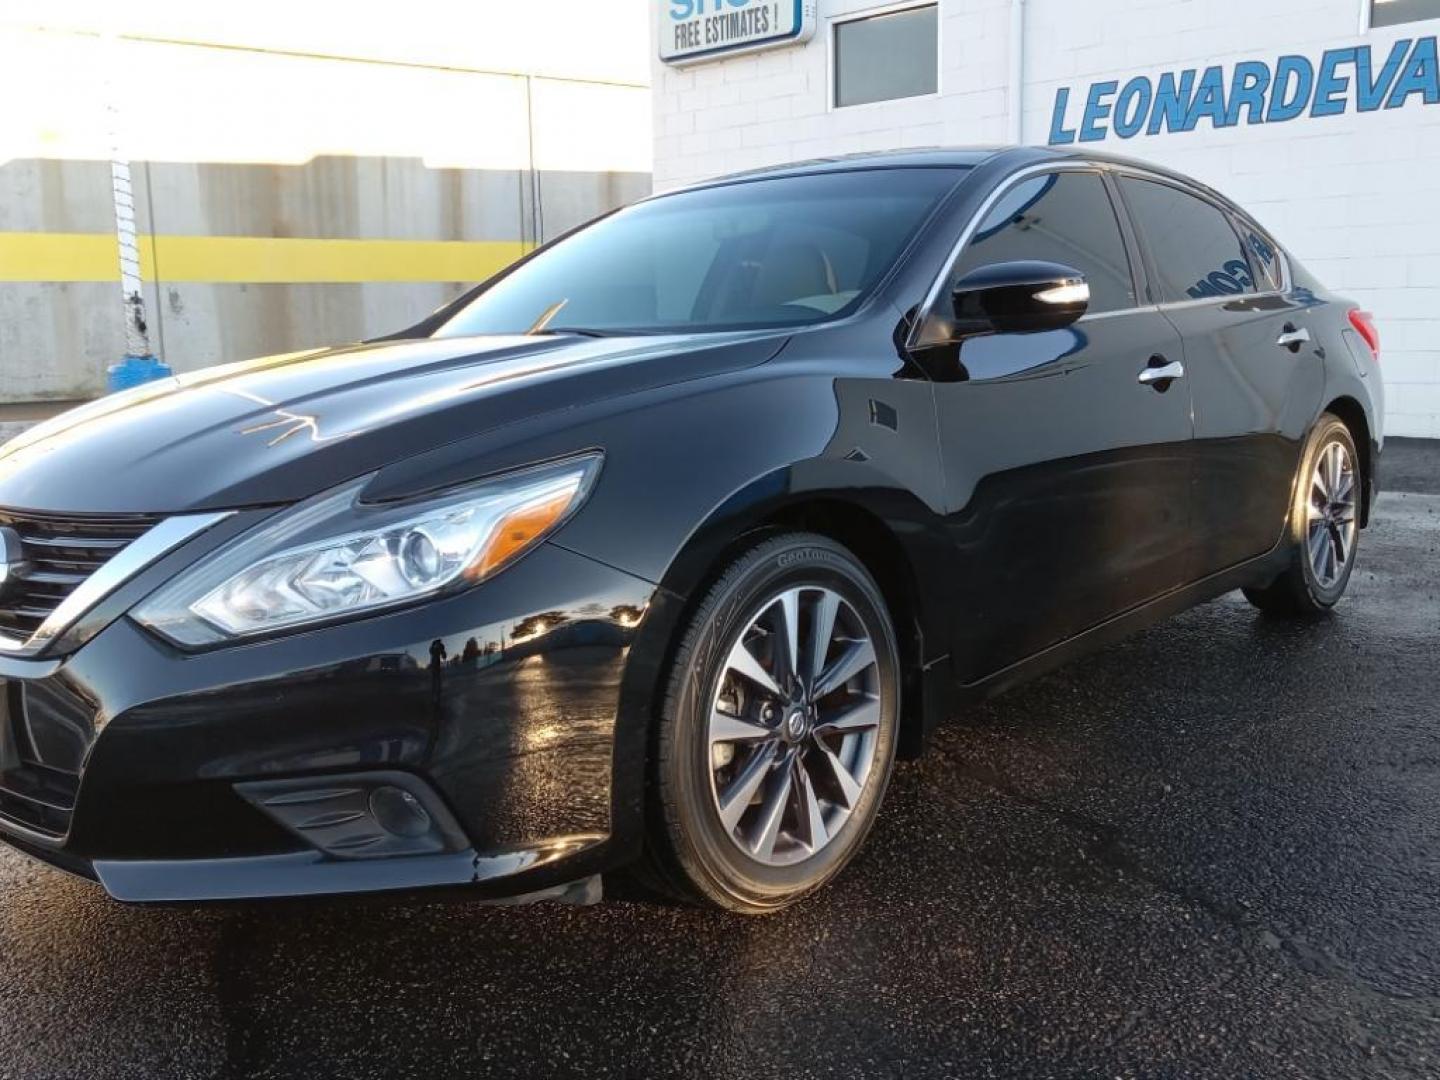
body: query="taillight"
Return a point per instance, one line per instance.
(1364, 324)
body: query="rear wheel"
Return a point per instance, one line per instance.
(777, 734)
(1324, 527)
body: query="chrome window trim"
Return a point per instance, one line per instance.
(159, 540)
(932, 296)
(1140, 309)
(1224, 298)
(1176, 305)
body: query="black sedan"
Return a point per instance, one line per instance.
(654, 552)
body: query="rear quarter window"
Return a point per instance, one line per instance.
(1265, 257)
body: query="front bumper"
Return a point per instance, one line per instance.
(137, 764)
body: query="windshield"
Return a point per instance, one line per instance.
(765, 253)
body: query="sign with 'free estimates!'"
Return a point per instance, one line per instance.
(694, 30)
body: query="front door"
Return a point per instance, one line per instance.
(1066, 458)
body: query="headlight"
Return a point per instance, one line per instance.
(334, 556)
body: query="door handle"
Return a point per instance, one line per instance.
(1160, 373)
(1292, 338)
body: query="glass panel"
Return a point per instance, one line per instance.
(1390, 12)
(1264, 257)
(1062, 218)
(887, 56)
(778, 252)
(1196, 252)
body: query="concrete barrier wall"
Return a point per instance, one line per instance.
(283, 201)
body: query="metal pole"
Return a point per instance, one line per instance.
(1017, 72)
(537, 209)
(139, 364)
(137, 331)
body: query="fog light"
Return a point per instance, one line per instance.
(399, 812)
(370, 815)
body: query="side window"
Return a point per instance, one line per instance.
(1196, 252)
(1064, 218)
(1264, 257)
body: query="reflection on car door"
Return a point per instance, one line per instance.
(1255, 375)
(1067, 477)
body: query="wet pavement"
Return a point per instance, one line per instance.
(1212, 850)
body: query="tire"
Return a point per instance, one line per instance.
(733, 824)
(1324, 528)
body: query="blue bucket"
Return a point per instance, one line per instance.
(135, 370)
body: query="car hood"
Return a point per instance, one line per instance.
(281, 428)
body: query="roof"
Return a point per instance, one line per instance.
(925, 157)
(929, 157)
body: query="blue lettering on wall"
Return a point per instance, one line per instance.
(1369, 92)
(1253, 92)
(1294, 79)
(1247, 91)
(1332, 88)
(1172, 103)
(1421, 76)
(1060, 135)
(1132, 106)
(1097, 108)
(685, 9)
(1209, 100)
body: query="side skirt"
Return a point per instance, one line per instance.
(1251, 572)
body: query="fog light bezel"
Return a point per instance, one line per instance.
(333, 813)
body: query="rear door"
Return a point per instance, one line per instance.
(1255, 373)
(1068, 477)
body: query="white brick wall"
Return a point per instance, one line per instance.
(1355, 196)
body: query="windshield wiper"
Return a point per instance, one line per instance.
(586, 331)
(542, 324)
(539, 325)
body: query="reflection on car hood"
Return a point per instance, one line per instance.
(283, 427)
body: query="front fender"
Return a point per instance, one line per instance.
(691, 469)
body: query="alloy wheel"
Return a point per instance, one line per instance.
(1330, 522)
(793, 725)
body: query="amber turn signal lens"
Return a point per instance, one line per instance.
(517, 531)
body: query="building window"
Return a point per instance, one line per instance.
(894, 54)
(1391, 12)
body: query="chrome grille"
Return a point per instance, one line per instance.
(59, 552)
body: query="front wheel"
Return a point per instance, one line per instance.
(777, 733)
(1324, 527)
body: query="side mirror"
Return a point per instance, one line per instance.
(1018, 297)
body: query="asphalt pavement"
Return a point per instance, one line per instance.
(1210, 851)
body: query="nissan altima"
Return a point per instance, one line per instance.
(653, 553)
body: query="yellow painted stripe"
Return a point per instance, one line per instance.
(59, 257)
(26, 256)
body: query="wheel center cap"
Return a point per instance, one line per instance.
(797, 724)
